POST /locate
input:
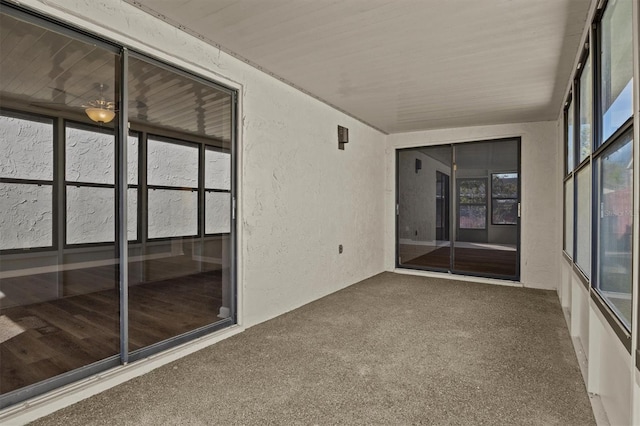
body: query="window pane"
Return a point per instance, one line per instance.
(217, 169)
(424, 198)
(570, 141)
(182, 284)
(59, 309)
(90, 215)
(218, 207)
(172, 164)
(615, 226)
(583, 220)
(132, 159)
(472, 191)
(27, 148)
(586, 110)
(132, 214)
(617, 66)
(473, 217)
(504, 211)
(90, 156)
(568, 217)
(26, 219)
(172, 213)
(504, 185)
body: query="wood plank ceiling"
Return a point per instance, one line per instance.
(403, 65)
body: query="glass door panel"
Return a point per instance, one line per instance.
(180, 266)
(59, 299)
(487, 197)
(424, 207)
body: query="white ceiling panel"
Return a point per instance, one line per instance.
(403, 65)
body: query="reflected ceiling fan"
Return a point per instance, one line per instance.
(100, 110)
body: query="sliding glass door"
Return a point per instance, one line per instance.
(487, 198)
(180, 266)
(116, 198)
(458, 208)
(424, 176)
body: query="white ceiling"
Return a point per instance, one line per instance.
(403, 65)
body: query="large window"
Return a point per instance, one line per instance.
(616, 67)
(613, 164)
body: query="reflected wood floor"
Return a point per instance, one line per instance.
(60, 335)
(482, 261)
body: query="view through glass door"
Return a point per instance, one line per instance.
(458, 208)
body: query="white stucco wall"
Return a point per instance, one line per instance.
(299, 195)
(540, 215)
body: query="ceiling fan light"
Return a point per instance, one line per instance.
(100, 115)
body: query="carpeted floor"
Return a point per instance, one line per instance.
(393, 349)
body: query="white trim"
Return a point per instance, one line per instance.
(456, 277)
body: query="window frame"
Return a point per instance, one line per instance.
(55, 194)
(124, 52)
(494, 197)
(601, 148)
(81, 184)
(596, 37)
(459, 204)
(569, 141)
(216, 190)
(585, 59)
(585, 276)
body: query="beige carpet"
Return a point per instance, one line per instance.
(393, 349)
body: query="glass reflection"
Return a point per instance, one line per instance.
(179, 270)
(59, 306)
(568, 217)
(424, 212)
(617, 66)
(615, 226)
(586, 110)
(486, 242)
(570, 139)
(583, 220)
